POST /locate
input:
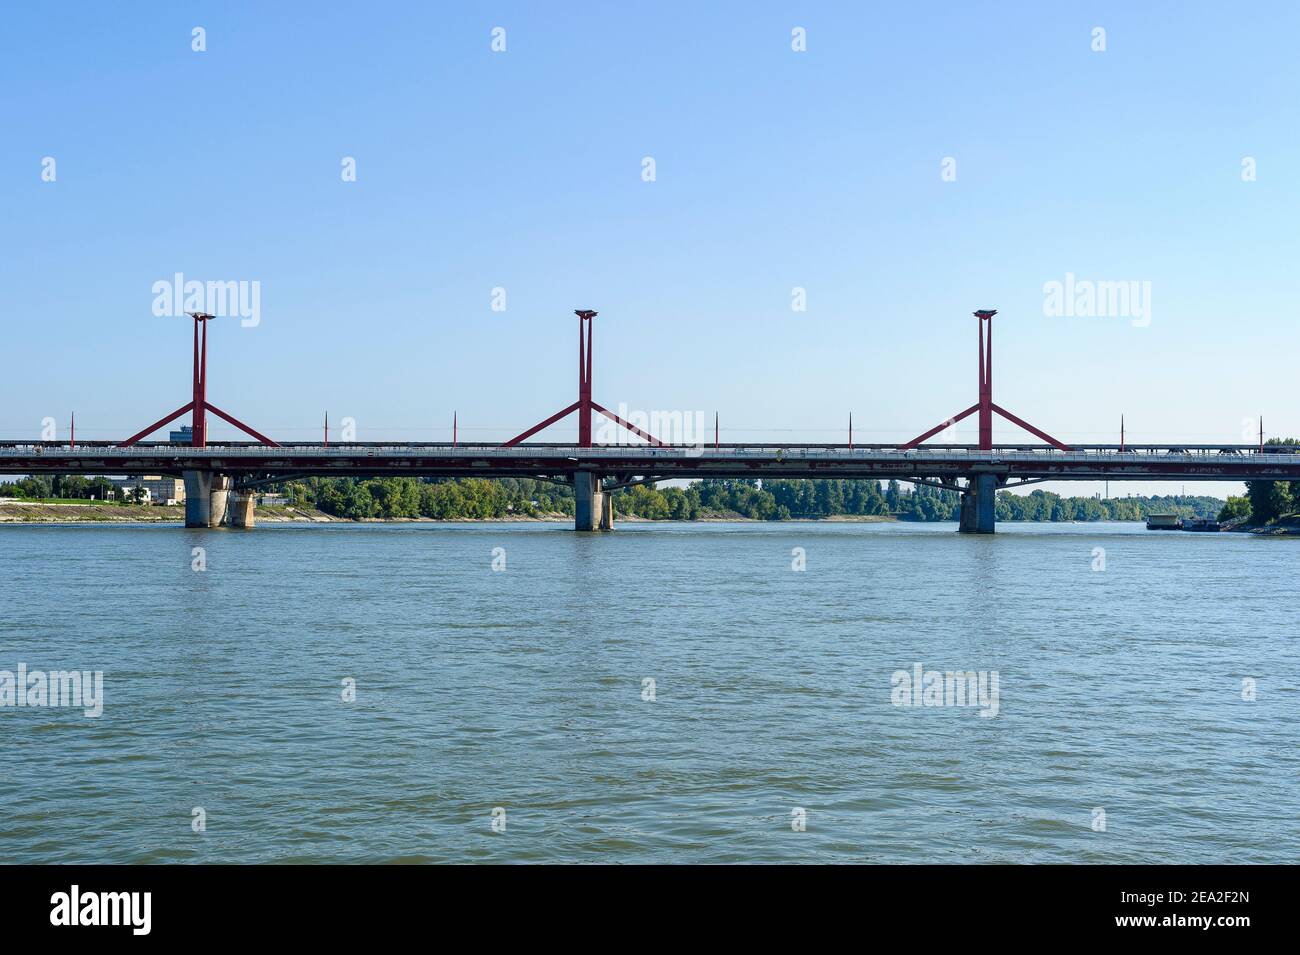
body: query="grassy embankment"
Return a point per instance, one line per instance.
(55, 511)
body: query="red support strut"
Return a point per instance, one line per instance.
(986, 379)
(985, 405)
(584, 405)
(198, 404)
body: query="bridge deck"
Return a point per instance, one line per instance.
(1204, 463)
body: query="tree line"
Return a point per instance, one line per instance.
(1265, 501)
(66, 487)
(772, 500)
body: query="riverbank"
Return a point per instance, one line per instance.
(1283, 527)
(15, 511)
(32, 512)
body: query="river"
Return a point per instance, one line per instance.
(667, 692)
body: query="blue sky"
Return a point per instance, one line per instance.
(775, 169)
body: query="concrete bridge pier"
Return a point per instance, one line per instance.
(966, 513)
(978, 503)
(607, 511)
(198, 498)
(221, 485)
(593, 508)
(241, 509)
(206, 496)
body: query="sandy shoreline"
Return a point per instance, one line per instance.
(12, 512)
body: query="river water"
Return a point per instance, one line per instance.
(771, 731)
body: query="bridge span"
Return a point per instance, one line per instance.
(221, 478)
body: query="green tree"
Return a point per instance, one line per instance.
(1235, 508)
(1269, 500)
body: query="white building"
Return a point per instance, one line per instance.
(157, 489)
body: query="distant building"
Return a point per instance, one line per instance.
(157, 489)
(272, 500)
(184, 436)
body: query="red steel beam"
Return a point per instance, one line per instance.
(198, 403)
(631, 427)
(199, 420)
(584, 377)
(985, 405)
(157, 424)
(1060, 446)
(943, 425)
(585, 404)
(986, 378)
(241, 426)
(545, 424)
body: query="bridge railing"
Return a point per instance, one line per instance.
(648, 453)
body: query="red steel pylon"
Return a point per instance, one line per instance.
(584, 405)
(199, 404)
(985, 405)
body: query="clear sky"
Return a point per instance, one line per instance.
(821, 169)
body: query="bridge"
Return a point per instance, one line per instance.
(221, 478)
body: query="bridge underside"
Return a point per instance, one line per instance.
(224, 475)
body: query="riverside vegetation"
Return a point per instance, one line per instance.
(398, 498)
